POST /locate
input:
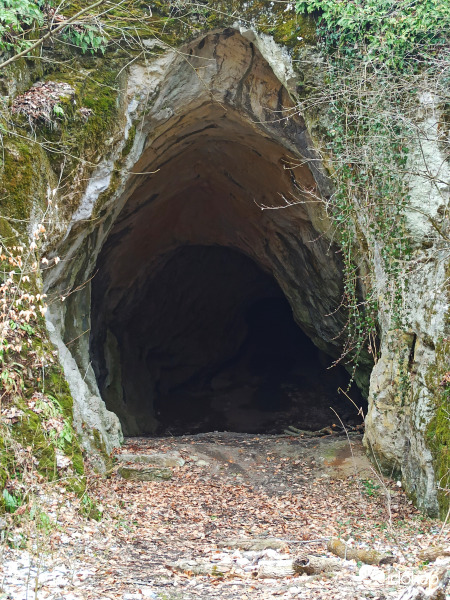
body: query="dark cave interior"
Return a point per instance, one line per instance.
(210, 311)
(210, 344)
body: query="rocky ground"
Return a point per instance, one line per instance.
(224, 515)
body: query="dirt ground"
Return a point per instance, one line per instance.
(242, 487)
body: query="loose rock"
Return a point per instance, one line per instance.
(157, 459)
(256, 544)
(147, 474)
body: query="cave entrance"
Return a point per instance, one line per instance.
(210, 344)
(206, 274)
(231, 357)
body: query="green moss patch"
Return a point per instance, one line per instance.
(100, 446)
(275, 19)
(174, 24)
(24, 175)
(37, 439)
(438, 431)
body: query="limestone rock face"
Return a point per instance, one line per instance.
(404, 385)
(216, 205)
(210, 152)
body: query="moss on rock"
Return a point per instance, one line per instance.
(276, 19)
(29, 433)
(24, 178)
(100, 446)
(130, 141)
(438, 431)
(173, 24)
(42, 432)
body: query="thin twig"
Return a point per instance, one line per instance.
(49, 34)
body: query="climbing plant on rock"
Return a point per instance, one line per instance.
(388, 70)
(396, 34)
(17, 18)
(22, 21)
(381, 57)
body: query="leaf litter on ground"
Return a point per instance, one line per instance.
(230, 487)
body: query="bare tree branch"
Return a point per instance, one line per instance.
(49, 34)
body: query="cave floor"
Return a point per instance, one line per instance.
(232, 486)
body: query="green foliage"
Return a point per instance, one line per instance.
(12, 502)
(53, 410)
(381, 56)
(374, 50)
(90, 509)
(366, 142)
(66, 436)
(59, 111)
(438, 430)
(43, 522)
(27, 328)
(369, 487)
(89, 38)
(17, 17)
(391, 31)
(37, 439)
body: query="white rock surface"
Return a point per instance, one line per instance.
(23, 577)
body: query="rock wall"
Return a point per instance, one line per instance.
(170, 165)
(214, 142)
(406, 384)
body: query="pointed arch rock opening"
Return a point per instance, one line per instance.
(213, 281)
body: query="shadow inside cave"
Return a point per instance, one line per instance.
(210, 344)
(276, 378)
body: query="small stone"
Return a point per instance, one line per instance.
(371, 572)
(147, 474)
(148, 593)
(202, 463)
(250, 568)
(273, 554)
(242, 562)
(220, 568)
(159, 459)
(3, 524)
(225, 561)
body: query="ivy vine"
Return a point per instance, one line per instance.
(20, 18)
(394, 32)
(379, 53)
(17, 18)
